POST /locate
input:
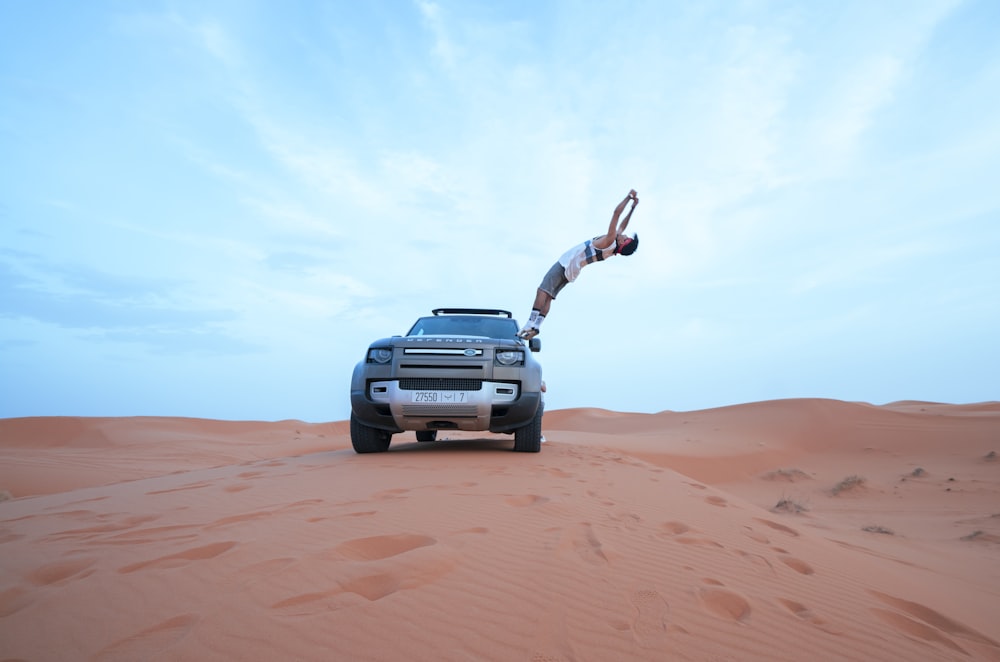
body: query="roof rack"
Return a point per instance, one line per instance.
(471, 311)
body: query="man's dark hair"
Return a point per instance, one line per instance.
(630, 247)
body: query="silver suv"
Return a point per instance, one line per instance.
(459, 369)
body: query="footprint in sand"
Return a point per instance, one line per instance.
(675, 528)
(932, 623)
(716, 501)
(803, 613)
(916, 629)
(650, 622)
(182, 558)
(373, 586)
(778, 527)
(582, 540)
(306, 604)
(61, 571)
(724, 603)
(679, 531)
(702, 542)
(382, 547)
(551, 642)
(386, 570)
(798, 565)
(394, 493)
(158, 638)
(757, 560)
(798, 609)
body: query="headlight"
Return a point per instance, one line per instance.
(510, 357)
(380, 355)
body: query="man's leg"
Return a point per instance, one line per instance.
(553, 281)
(539, 309)
(543, 301)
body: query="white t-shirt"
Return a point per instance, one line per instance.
(583, 254)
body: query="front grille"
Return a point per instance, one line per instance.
(439, 384)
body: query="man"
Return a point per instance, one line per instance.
(572, 261)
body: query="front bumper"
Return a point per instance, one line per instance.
(496, 407)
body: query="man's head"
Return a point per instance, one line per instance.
(626, 245)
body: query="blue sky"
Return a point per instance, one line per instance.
(210, 208)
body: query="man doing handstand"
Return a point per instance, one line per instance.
(568, 267)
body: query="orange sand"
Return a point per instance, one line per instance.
(629, 537)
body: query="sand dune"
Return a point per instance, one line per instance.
(786, 530)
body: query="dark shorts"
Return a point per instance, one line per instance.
(554, 280)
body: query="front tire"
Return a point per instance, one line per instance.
(529, 438)
(367, 439)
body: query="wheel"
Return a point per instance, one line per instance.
(529, 438)
(427, 435)
(367, 439)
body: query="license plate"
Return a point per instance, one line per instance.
(440, 397)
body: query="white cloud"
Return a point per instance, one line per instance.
(445, 49)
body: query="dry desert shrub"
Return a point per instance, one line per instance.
(787, 505)
(849, 483)
(980, 536)
(878, 529)
(991, 456)
(786, 475)
(918, 472)
(4, 495)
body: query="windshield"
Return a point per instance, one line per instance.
(463, 325)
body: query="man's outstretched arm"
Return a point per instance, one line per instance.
(628, 216)
(613, 230)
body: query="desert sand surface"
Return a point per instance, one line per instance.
(783, 530)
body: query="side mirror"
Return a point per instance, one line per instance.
(535, 344)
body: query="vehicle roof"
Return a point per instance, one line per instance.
(472, 311)
(465, 325)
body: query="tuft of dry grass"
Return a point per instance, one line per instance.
(982, 536)
(4, 495)
(991, 456)
(787, 505)
(878, 529)
(918, 472)
(786, 475)
(849, 483)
